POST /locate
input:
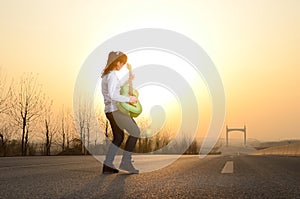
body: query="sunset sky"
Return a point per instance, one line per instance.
(255, 46)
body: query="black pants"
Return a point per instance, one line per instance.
(120, 122)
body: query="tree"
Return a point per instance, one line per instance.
(50, 126)
(5, 136)
(67, 128)
(103, 132)
(83, 117)
(26, 106)
(4, 94)
(5, 133)
(63, 129)
(80, 118)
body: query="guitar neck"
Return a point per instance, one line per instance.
(130, 92)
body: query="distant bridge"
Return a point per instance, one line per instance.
(236, 129)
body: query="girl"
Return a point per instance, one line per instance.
(118, 120)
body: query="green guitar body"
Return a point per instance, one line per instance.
(133, 110)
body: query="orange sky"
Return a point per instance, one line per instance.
(255, 46)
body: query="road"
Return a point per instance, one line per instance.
(238, 176)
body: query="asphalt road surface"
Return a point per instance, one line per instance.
(239, 176)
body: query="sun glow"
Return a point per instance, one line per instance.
(254, 45)
(154, 94)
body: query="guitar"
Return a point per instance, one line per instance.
(131, 109)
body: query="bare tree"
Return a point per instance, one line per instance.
(66, 129)
(83, 114)
(80, 117)
(5, 136)
(4, 93)
(104, 133)
(63, 129)
(27, 106)
(50, 126)
(143, 141)
(89, 123)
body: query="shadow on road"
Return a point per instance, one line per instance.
(102, 186)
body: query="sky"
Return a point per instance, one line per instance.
(254, 45)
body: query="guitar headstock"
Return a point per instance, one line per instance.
(129, 67)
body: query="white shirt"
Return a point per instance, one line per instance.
(111, 92)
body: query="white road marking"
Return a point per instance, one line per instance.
(228, 167)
